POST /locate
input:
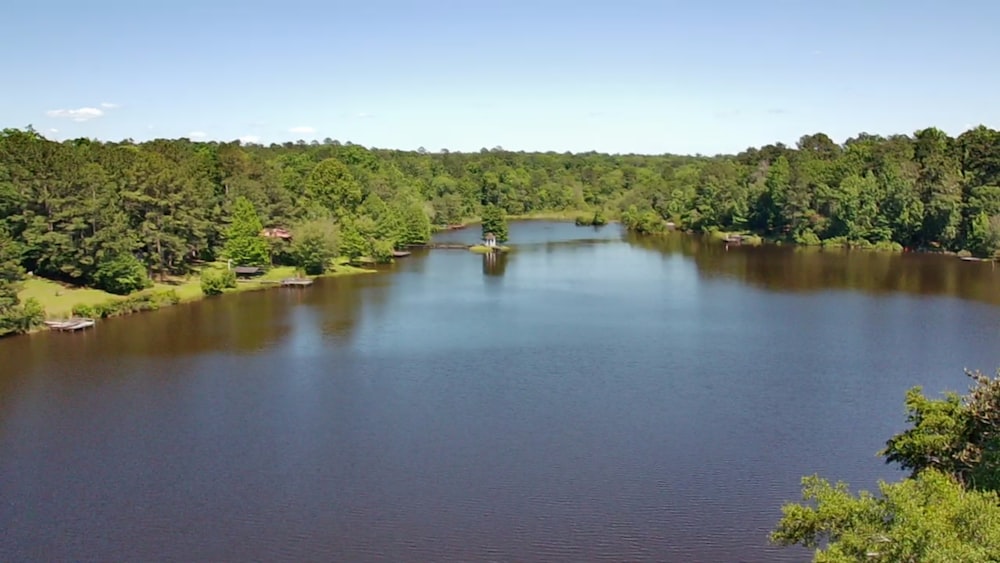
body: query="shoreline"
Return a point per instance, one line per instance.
(178, 291)
(556, 216)
(163, 294)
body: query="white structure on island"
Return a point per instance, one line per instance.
(490, 240)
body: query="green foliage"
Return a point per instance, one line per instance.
(416, 225)
(214, 282)
(647, 222)
(145, 301)
(315, 244)
(495, 221)
(937, 435)
(930, 518)
(244, 244)
(380, 221)
(448, 209)
(807, 237)
(15, 317)
(22, 317)
(947, 510)
(982, 239)
(595, 220)
(332, 185)
(957, 435)
(352, 244)
(381, 251)
(121, 275)
(74, 207)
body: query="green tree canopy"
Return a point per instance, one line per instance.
(495, 221)
(947, 510)
(315, 244)
(244, 244)
(930, 518)
(332, 185)
(74, 207)
(15, 317)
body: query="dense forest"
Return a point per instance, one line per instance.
(112, 215)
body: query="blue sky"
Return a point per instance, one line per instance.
(615, 76)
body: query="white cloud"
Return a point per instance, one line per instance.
(196, 135)
(109, 105)
(79, 115)
(248, 139)
(364, 115)
(53, 130)
(303, 130)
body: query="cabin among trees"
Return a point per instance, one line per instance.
(276, 233)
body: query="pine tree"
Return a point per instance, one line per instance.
(244, 244)
(416, 225)
(495, 221)
(352, 243)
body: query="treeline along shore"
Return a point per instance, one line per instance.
(128, 218)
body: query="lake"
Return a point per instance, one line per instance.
(588, 396)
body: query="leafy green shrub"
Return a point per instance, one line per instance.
(595, 220)
(315, 244)
(647, 223)
(121, 275)
(22, 317)
(146, 301)
(382, 251)
(214, 282)
(808, 238)
(85, 311)
(887, 246)
(835, 242)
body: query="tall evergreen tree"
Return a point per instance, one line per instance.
(244, 244)
(495, 221)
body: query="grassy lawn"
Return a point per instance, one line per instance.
(343, 267)
(58, 299)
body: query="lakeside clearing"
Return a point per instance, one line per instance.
(59, 299)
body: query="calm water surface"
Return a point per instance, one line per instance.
(586, 397)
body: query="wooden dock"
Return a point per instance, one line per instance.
(70, 325)
(296, 282)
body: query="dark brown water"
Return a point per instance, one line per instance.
(586, 397)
